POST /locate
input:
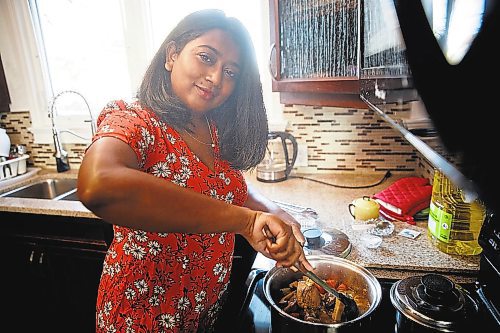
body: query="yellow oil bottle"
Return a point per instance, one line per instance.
(454, 224)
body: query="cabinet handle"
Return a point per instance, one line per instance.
(32, 254)
(40, 260)
(274, 74)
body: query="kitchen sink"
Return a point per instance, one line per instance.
(70, 196)
(51, 188)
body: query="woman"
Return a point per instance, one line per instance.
(165, 170)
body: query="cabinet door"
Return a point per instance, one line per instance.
(4, 91)
(74, 275)
(51, 271)
(315, 51)
(26, 291)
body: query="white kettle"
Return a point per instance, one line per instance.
(4, 143)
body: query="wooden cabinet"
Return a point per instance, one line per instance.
(51, 271)
(4, 91)
(314, 56)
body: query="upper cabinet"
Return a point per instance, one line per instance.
(314, 56)
(4, 92)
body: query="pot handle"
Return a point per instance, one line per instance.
(258, 274)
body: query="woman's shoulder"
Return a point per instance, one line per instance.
(126, 108)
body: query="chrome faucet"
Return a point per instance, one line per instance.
(60, 154)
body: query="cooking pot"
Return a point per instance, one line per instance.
(327, 267)
(431, 304)
(364, 209)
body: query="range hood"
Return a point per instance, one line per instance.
(388, 84)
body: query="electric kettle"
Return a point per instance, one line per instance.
(278, 162)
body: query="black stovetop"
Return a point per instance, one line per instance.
(257, 317)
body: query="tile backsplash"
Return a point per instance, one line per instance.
(17, 125)
(337, 140)
(349, 140)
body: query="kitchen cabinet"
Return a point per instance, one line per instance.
(4, 91)
(314, 52)
(52, 267)
(388, 88)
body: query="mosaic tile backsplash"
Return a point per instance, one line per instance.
(17, 125)
(348, 140)
(337, 140)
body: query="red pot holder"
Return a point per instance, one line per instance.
(404, 198)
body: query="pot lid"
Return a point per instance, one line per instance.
(433, 301)
(332, 242)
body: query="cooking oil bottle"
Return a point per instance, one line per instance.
(454, 225)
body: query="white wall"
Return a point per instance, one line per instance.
(25, 77)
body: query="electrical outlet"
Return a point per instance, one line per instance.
(301, 160)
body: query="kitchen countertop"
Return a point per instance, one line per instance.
(397, 257)
(42, 206)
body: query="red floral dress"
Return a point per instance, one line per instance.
(165, 282)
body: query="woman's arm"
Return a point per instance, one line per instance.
(257, 201)
(111, 185)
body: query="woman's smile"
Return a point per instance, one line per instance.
(205, 93)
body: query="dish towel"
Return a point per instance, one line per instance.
(404, 198)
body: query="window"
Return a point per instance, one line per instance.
(101, 48)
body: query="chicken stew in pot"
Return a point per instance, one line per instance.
(305, 300)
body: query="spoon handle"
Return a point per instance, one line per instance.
(318, 280)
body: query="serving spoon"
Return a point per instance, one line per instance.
(351, 310)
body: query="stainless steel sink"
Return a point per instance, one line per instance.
(70, 196)
(52, 189)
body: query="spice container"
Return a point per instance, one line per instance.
(454, 224)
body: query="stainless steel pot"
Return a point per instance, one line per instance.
(326, 267)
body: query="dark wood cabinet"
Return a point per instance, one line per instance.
(314, 56)
(51, 272)
(4, 91)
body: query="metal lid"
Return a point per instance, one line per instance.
(434, 301)
(332, 242)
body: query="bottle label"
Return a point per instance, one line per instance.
(439, 223)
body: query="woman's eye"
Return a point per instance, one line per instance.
(206, 58)
(230, 73)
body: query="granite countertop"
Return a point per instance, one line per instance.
(41, 206)
(397, 257)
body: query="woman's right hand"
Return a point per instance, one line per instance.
(274, 238)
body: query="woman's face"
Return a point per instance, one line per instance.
(205, 72)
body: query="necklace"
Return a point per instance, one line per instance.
(212, 144)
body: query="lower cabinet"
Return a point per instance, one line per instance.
(51, 271)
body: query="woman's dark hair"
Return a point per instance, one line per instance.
(241, 120)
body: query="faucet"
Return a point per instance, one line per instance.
(60, 154)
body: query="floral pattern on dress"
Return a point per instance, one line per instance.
(165, 282)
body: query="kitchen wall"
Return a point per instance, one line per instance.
(337, 140)
(17, 125)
